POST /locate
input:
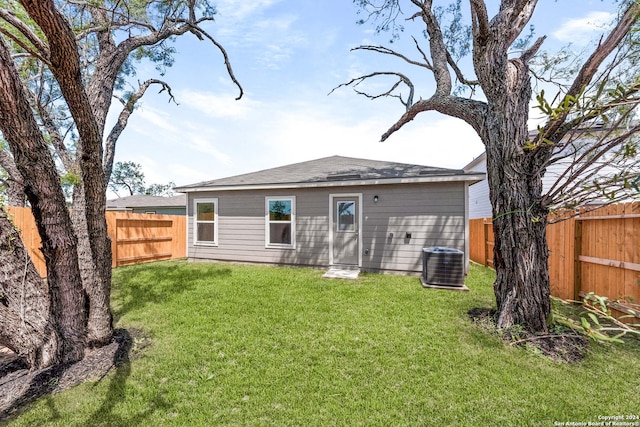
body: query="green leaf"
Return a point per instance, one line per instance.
(594, 318)
(585, 324)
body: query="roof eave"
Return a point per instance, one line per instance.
(470, 178)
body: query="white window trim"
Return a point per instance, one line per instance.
(267, 229)
(213, 200)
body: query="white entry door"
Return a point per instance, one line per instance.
(345, 230)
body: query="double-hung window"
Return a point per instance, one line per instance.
(205, 220)
(280, 221)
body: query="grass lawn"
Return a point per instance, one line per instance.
(252, 345)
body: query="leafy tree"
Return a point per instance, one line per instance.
(498, 110)
(129, 175)
(61, 63)
(160, 189)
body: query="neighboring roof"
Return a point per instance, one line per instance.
(142, 201)
(473, 163)
(334, 171)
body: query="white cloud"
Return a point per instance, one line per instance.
(214, 105)
(253, 26)
(151, 119)
(205, 143)
(306, 134)
(241, 9)
(187, 174)
(582, 30)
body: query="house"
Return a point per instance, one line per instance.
(375, 215)
(567, 152)
(479, 202)
(141, 203)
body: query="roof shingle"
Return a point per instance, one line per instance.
(144, 201)
(328, 169)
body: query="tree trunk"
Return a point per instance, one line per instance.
(66, 68)
(514, 173)
(97, 246)
(99, 324)
(42, 187)
(14, 183)
(15, 194)
(520, 252)
(24, 302)
(519, 218)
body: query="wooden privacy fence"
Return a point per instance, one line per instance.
(135, 238)
(597, 251)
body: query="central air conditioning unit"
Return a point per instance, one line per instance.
(443, 267)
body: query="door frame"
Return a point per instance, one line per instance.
(358, 197)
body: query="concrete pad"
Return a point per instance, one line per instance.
(448, 288)
(342, 273)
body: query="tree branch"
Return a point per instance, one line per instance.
(531, 52)
(469, 110)
(7, 163)
(387, 51)
(461, 78)
(479, 21)
(553, 130)
(402, 79)
(41, 49)
(111, 58)
(586, 161)
(121, 123)
(57, 140)
(437, 48)
(227, 63)
(516, 14)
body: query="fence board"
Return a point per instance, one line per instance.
(599, 251)
(477, 243)
(134, 238)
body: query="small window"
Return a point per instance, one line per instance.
(280, 221)
(346, 216)
(206, 221)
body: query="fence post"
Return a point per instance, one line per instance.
(486, 241)
(577, 251)
(112, 230)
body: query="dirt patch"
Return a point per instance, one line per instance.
(559, 347)
(19, 386)
(568, 348)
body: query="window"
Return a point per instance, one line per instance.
(346, 216)
(205, 221)
(280, 221)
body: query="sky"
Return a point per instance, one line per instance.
(288, 55)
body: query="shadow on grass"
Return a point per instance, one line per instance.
(140, 285)
(116, 391)
(20, 388)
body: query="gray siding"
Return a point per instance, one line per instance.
(433, 214)
(479, 202)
